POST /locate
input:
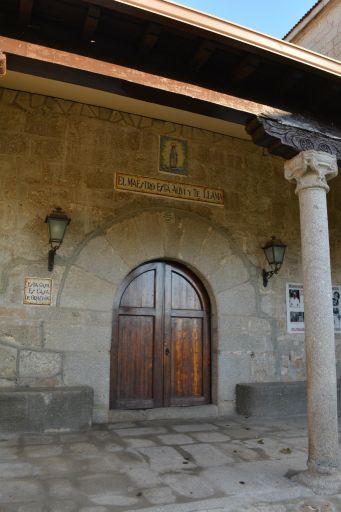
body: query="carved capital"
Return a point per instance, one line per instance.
(311, 169)
(287, 137)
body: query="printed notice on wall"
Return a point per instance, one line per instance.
(37, 291)
(295, 307)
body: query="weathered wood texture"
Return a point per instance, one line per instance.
(160, 350)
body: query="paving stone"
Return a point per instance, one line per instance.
(43, 451)
(272, 447)
(55, 466)
(116, 426)
(114, 500)
(100, 434)
(159, 495)
(112, 447)
(62, 488)
(165, 458)
(16, 469)
(238, 450)
(206, 455)
(8, 453)
(63, 506)
(211, 437)
(20, 490)
(175, 439)
(189, 486)
(73, 438)
(143, 431)
(93, 509)
(83, 450)
(102, 483)
(258, 477)
(37, 439)
(143, 477)
(195, 427)
(30, 507)
(241, 433)
(139, 443)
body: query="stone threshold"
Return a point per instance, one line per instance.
(164, 413)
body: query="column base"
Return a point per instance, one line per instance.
(319, 483)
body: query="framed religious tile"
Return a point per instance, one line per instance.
(173, 155)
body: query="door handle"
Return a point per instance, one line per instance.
(167, 351)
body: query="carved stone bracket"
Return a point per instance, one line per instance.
(286, 140)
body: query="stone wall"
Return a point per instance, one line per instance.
(323, 33)
(58, 153)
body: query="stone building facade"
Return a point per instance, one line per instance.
(320, 29)
(58, 153)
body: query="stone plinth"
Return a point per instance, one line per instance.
(45, 409)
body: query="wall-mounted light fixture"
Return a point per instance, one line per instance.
(274, 251)
(57, 222)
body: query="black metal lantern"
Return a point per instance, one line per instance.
(57, 222)
(274, 251)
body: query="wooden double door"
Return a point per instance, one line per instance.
(161, 348)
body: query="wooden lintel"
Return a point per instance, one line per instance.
(25, 12)
(202, 55)
(134, 77)
(150, 38)
(91, 22)
(246, 67)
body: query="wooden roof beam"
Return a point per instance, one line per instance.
(202, 55)
(150, 38)
(246, 67)
(25, 12)
(91, 22)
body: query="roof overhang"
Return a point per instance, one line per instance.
(169, 58)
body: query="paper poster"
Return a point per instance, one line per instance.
(295, 307)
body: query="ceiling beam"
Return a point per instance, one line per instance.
(132, 78)
(246, 67)
(25, 12)
(91, 22)
(149, 38)
(202, 55)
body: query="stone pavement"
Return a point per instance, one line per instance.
(216, 465)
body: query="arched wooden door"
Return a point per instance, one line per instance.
(161, 348)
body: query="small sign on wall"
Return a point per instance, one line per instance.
(168, 189)
(295, 308)
(37, 291)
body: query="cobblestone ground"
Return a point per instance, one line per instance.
(217, 465)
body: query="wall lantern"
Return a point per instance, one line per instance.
(274, 251)
(57, 222)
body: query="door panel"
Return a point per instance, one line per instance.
(161, 351)
(186, 354)
(184, 295)
(136, 353)
(141, 291)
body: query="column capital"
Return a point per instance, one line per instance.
(311, 169)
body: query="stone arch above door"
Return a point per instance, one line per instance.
(100, 264)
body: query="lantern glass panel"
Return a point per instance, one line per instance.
(279, 251)
(269, 253)
(57, 229)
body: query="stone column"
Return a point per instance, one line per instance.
(311, 170)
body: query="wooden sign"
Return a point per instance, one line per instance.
(37, 291)
(168, 189)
